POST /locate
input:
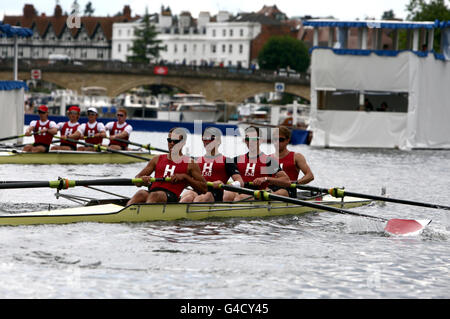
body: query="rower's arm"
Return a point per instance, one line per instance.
(302, 165)
(280, 179)
(196, 179)
(149, 168)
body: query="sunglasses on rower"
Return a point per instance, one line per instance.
(169, 140)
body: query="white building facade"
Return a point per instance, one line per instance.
(205, 42)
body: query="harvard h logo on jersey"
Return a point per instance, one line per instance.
(169, 171)
(250, 169)
(207, 169)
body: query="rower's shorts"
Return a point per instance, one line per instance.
(47, 147)
(171, 197)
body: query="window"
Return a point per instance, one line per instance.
(224, 32)
(184, 48)
(214, 32)
(224, 48)
(241, 48)
(230, 48)
(349, 100)
(175, 48)
(213, 48)
(231, 32)
(118, 47)
(241, 32)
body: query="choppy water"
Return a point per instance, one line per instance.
(314, 256)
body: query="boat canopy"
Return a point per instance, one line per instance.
(361, 98)
(12, 110)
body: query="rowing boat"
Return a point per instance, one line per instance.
(72, 157)
(114, 211)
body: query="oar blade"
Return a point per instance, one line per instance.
(405, 227)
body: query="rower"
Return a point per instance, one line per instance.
(181, 169)
(92, 131)
(119, 129)
(215, 168)
(291, 162)
(68, 129)
(43, 129)
(258, 170)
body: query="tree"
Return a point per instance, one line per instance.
(283, 52)
(88, 10)
(388, 15)
(145, 46)
(421, 10)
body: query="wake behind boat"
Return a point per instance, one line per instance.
(8, 156)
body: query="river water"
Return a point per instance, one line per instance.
(322, 255)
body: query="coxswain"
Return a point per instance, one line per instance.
(93, 132)
(119, 129)
(259, 170)
(68, 129)
(291, 162)
(43, 130)
(215, 168)
(181, 169)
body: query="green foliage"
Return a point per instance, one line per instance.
(283, 52)
(421, 10)
(145, 46)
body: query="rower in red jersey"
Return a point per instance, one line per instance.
(291, 162)
(43, 130)
(93, 132)
(215, 168)
(68, 129)
(119, 129)
(258, 170)
(182, 170)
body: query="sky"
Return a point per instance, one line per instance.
(340, 9)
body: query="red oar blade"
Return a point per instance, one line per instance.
(408, 227)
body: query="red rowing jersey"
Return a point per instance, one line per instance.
(91, 131)
(167, 168)
(287, 164)
(67, 129)
(217, 168)
(115, 130)
(252, 168)
(43, 138)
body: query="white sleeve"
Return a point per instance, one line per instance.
(82, 128)
(109, 126)
(101, 127)
(33, 123)
(129, 129)
(52, 124)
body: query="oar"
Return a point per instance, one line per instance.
(64, 183)
(146, 146)
(99, 147)
(393, 226)
(339, 192)
(14, 137)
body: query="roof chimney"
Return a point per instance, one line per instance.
(58, 11)
(29, 11)
(127, 11)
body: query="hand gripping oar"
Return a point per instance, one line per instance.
(146, 146)
(99, 147)
(393, 226)
(339, 192)
(64, 183)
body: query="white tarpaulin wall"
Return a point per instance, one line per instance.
(11, 108)
(425, 79)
